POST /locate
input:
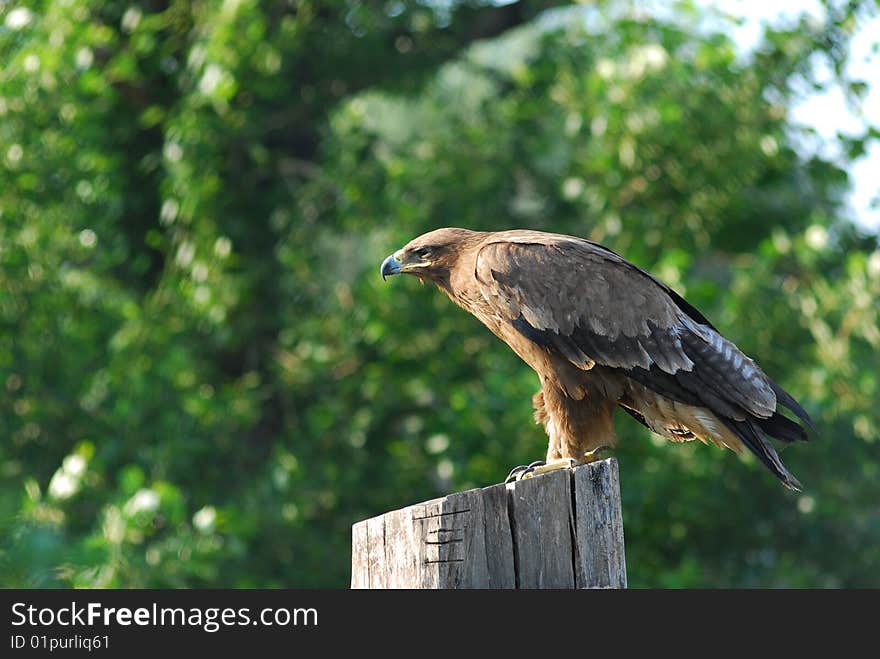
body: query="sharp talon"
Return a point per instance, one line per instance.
(515, 472)
(523, 471)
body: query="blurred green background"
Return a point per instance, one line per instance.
(205, 381)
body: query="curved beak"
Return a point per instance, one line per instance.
(390, 266)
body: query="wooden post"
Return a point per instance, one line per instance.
(563, 529)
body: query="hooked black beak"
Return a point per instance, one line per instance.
(390, 266)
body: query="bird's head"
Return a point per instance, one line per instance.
(430, 256)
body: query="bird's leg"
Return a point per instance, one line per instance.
(572, 426)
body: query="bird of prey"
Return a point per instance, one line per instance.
(602, 333)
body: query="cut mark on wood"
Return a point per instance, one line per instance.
(451, 512)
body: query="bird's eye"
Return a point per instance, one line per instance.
(422, 251)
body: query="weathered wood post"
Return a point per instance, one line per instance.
(563, 529)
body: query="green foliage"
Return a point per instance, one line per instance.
(206, 381)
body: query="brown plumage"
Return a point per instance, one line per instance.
(601, 333)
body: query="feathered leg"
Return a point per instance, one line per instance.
(578, 430)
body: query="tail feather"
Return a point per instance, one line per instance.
(786, 399)
(749, 433)
(783, 428)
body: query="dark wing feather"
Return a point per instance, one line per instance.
(680, 302)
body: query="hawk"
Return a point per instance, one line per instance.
(603, 334)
